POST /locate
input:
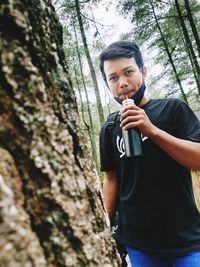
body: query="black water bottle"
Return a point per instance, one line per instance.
(131, 137)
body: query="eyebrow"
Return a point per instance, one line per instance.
(128, 67)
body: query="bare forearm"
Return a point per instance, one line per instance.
(110, 191)
(185, 152)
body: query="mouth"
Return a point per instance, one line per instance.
(127, 94)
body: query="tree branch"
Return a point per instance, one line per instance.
(83, 2)
(87, 18)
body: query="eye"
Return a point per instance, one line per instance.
(129, 72)
(113, 78)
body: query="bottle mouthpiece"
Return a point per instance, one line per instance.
(127, 101)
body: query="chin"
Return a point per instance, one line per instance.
(131, 95)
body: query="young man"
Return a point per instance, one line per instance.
(158, 219)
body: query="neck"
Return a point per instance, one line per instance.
(144, 100)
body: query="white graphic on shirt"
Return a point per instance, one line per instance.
(114, 229)
(120, 146)
(144, 138)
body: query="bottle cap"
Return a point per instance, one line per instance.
(128, 101)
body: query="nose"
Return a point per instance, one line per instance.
(123, 83)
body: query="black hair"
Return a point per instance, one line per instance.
(120, 49)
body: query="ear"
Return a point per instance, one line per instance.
(144, 71)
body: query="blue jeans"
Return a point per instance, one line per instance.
(140, 258)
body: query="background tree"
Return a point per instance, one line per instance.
(89, 126)
(188, 42)
(192, 23)
(51, 207)
(75, 19)
(73, 9)
(92, 70)
(165, 27)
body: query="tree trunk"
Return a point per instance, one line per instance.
(169, 55)
(92, 70)
(187, 40)
(197, 80)
(52, 212)
(193, 26)
(90, 128)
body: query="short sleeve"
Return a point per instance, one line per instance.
(186, 123)
(106, 150)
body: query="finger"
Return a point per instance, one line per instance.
(132, 124)
(129, 113)
(129, 119)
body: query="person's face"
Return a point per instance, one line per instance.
(123, 76)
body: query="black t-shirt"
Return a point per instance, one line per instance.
(157, 208)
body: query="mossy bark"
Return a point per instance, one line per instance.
(52, 213)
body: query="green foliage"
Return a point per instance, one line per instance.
(78, 21)
(156, 27)
(156, 24)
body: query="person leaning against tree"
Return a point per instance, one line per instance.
(159, 223)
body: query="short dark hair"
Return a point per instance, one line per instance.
(120, 49)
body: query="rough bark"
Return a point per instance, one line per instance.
(51, 206)
(19, 244)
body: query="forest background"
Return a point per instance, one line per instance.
(52, 211)
(168, 33)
